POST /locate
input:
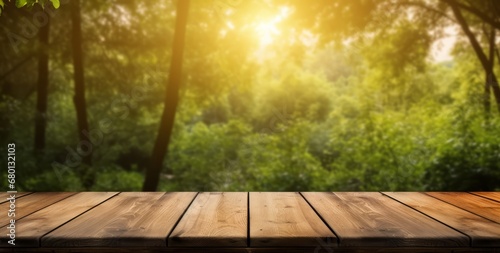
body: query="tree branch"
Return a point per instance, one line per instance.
(478, 50)
(427, 7)
(476, 12)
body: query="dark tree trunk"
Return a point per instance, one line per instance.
(171, 99)
(489, 73)
(42, 89)
(79, 98)
(478, 50)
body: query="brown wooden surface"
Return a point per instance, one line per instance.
(483, 207)
(4, 195)
(284, 219)
(255, 222)
(34, 226)
(372, 219)
(32, 203)
(257, 250)
(214, 219)
(130, 219)
(482, 232)
(490, 195)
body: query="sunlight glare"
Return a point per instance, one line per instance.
(267, 30)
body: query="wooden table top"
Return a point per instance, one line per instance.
(253, 222)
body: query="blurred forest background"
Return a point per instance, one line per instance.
(275, 95)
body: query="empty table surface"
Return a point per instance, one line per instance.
(253, 222)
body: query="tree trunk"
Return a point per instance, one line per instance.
(489, 73)
(478, 50)
(79, 98)
(171, 99)
(42, 89)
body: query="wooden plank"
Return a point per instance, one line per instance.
(37, 224)
(214, 219)
(490, 195)
(131, 219)
(482, 232)
(254, 250)
(32, 203)
(371, 219)
(285, 219)
(5, 195)
(486, 208)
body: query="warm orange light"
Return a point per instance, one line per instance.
(267, 31)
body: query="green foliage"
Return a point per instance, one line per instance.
(295, 95)
(378, 151)
(30, 3)
(49, 181)
(468, 161)
(468, 155)
(21, 3)
(55, 3)
(283, 162)
(118, 180)
(219, 145)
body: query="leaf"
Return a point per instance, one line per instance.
(2, 4)
(21, 3)
(56, 3)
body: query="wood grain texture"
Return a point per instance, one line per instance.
(255, 250)
(4, 196)
(32, 203)
(482, 232)
(369, 219)
(214, 219)
(483, 207)
(218, 222)
(285, 219)
(130, 219)
(490, 195)
(39, 223)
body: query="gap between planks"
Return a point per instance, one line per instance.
(495, 196)
(322, 219)
(5, 195)
(471, 203)
(470, 238)
(121, 222)
(482, 232)
(35, 205)
(371, 219)
(180, 218)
